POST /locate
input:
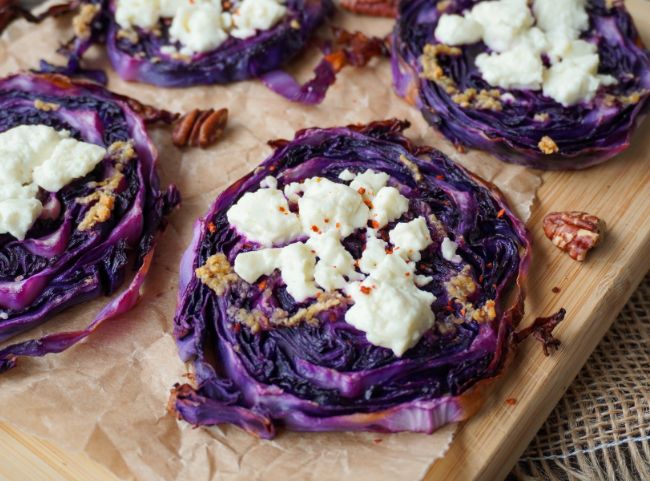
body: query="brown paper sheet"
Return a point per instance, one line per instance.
(107, 396)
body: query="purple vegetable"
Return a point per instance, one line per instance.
(325, 375)
(59, 265)
(585, 134)
(141, 59)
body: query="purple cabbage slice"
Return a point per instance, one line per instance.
(584, 134)
(140, 58)
(59, 264)
(324, 375)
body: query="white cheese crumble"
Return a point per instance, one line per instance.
(33, 156)
(327, 205)
(448, 250)
(253, 15)
(264, 217)
(335, 267)
(409, 238)
(458, 30)
(518, 68)
(296, 262)
(389, 307)
(200, 25)
(388, 304)
(518, 40)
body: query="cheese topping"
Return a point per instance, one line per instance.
(33, 156)
(410, 238)
(448, 250)
(327, 205)
(388, 304)
(200, 25)
(264, 217)
(507, 28)
(389, 307)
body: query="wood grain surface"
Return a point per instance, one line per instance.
(487, 446)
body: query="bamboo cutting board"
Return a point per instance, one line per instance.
(487, 446)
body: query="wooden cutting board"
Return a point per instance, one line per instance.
(487, 446)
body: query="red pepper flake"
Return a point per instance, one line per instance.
(389, 250)
(261, 285)
(315, 229)
(361, 190)
(480, 279)
(272, 168)
(338, 225)
(463, 311)
(511, 401)
(407, 274)
(212, 228)
(282, 209)
(556, 290)
(440, 177)
(364, 289)
(326, 220)
(501, 213)
(489, 265)
(374, 224)
(368, 203)
(236, 327)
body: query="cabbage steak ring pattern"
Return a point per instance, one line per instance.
(522, 126)
(79, 247)
(262, 360)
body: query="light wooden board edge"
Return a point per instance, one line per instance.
(487, 447)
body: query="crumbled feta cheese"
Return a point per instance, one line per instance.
(458, 30)
(295, 261)
(70, 160)
(335, 267)
(347, 176)
(387, 206)
(448, 249)
(373, 253)
(137, 13)
(33, 156)
(327, 205)
(24, 148)
(18, 215)
(569, 16)
(253, 15)
(252, 265)
(506, 27)
(502, 22)
(269, 182)
(369, 182)
(389, 307)
(409, 238)
(573, 80)
(198, 28)
(518, 68)
(264, 217)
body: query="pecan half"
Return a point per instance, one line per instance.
(574, 232)
(378, 8)
(200, 128)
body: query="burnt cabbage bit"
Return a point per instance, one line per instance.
(262, 360)
(522, 126)
(82, 245)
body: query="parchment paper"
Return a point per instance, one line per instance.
(107, 396)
